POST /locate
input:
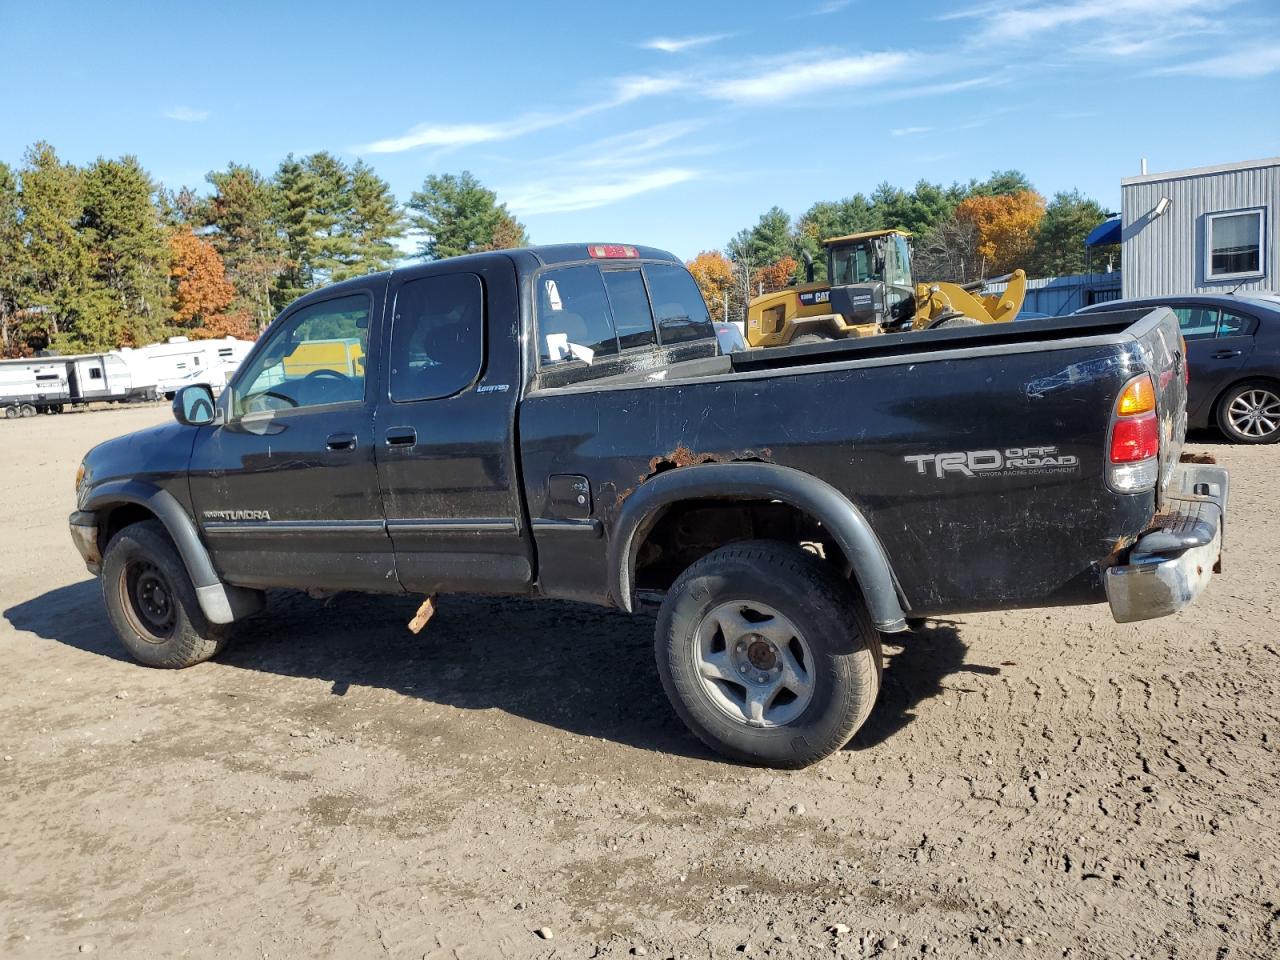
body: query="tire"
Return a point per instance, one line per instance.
(1250, 412)
(784, 613)
(12, 413)
(951, 322)
(28, 410)
(151, 601)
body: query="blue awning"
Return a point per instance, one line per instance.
(1104, 234)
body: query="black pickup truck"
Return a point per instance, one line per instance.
(559, 422)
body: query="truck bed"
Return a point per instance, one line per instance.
(865, 416)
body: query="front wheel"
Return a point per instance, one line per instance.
(151, 601)
(1250, 413)
(767, 655)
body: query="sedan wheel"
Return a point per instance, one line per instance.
(1250, 413)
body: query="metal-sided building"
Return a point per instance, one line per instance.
(1205, 230)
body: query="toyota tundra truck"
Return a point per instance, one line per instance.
(560, 422)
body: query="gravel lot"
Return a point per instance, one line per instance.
(1038, 784)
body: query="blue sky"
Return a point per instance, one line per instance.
(673, 124)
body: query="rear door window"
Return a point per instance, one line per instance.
(437, 337)
(574, 321)
(631, 315)
(677, 304)
(1197, 323)
(1234, 325)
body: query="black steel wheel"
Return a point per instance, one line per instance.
(151, 601)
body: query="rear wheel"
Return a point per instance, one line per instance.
(151, 601)
(1250, 413)
(29, 410)
(12, 413)
(767, 654)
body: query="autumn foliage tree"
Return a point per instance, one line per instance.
(712, 271)
(773, 276)
(201, 291)
(1006, 226)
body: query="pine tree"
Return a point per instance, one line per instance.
(374, 222)
(57, 267)
(457, 215)
(126, 240)
(1059, 241)
(12, 280)
(242, 215)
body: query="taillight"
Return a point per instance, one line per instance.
(612, 251)
(1136, 438)
(1186, 367)
(1134, 457)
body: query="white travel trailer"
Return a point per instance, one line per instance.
(32, 385)
(49, 384)
(179, 362)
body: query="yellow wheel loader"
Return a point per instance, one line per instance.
(870, 291)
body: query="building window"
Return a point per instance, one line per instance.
(1233, 245)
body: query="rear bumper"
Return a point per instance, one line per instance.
(1172, 563)
(84, 534)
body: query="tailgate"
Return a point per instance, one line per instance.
(1164, 354)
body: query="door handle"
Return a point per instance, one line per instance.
(401, 436)
(1226, 354)
(341, 441)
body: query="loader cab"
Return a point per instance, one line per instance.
(870, 276)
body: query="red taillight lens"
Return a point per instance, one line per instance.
(1186, 367)
(1135, 438)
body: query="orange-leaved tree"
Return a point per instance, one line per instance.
(1006, 226)
(713, 273)
(773, 276)
(201, 290)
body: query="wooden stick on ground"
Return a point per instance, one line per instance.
(425, 613)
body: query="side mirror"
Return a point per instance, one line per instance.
(193, 405)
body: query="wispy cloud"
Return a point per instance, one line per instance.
(831, 6)
(570, 194)
(680, 44)
(782, 78)
(626, 90)
(187, 114)
(909, 131)
(1247, 63)
(647, 147)
(999, 21)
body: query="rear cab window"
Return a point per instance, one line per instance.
(437, 337)
(595, 320)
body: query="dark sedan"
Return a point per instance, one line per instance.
(1233, 352)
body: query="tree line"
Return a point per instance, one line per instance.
(961, 233)
(101, 256)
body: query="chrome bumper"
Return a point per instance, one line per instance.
(84, 534)
(1171, 564)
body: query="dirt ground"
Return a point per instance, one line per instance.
(1038, 784)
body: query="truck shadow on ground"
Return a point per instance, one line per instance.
(583, 669)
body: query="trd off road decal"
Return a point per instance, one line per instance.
(1011, 462)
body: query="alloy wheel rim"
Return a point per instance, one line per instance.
(753, 665)
(1255, 413)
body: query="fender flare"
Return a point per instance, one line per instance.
(759, 481)
(220, 602)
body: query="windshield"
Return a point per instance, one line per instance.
(852, 264)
